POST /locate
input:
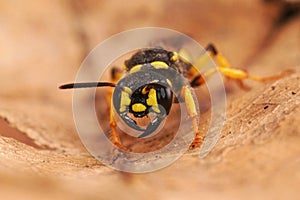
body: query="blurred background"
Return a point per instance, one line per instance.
(43, 43)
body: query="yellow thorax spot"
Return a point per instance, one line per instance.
(135, 68)
(159, 65)
(125, 101)
(127, 90)
(138, 107)
(152, 100)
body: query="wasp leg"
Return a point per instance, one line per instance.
(240, 75)
(202, 61)
(112, 122)
(227, 70)
(116, 74)
(192, 112)
(115, 136)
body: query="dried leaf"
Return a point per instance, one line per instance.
(42, 46)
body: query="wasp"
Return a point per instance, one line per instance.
(139, 91)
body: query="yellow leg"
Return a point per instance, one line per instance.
(201, 62)
(239, 74)
(192, 112)
(225, 68)
(115, 136)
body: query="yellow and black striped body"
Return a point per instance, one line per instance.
(160, 59)
(153, 77)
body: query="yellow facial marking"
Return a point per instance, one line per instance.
(135, 68)
(175, 56)
(138, 107)
(125, 101)
(152, 100)
(159, 65)
(127, 90)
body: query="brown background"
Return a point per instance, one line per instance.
(42, 44)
